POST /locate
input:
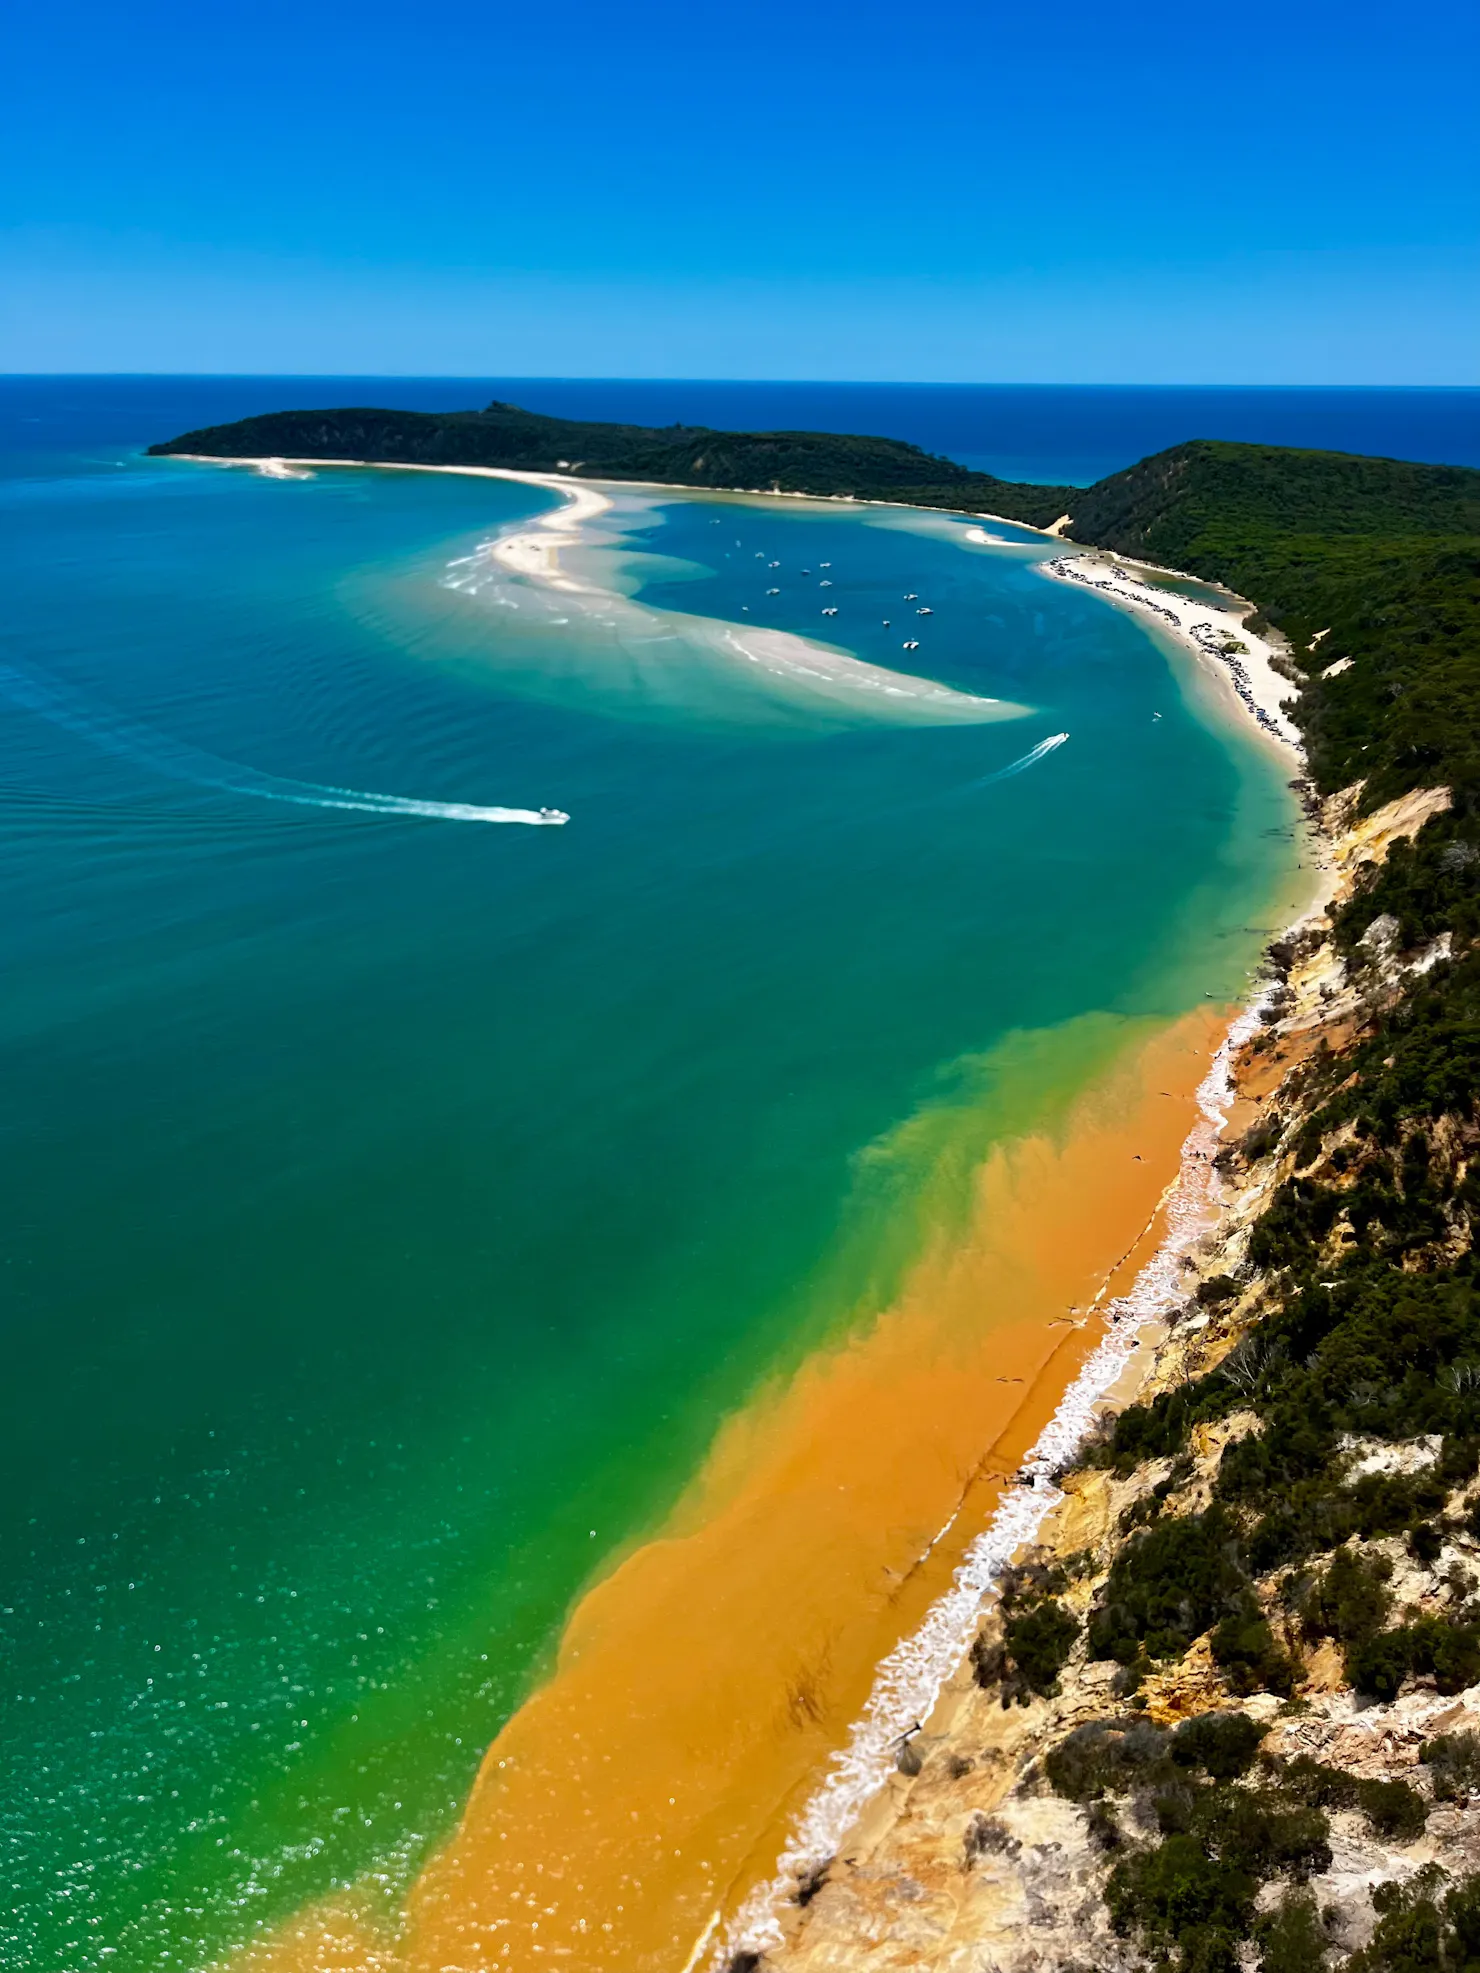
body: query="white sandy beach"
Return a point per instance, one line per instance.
(1219, 636)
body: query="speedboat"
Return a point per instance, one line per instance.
(553, 815)
(829, 613)
(912, 644)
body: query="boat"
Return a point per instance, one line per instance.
(553, 815)
(912, 644)
(830, 613)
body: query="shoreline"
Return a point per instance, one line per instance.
(706, 1685)
(907, 1681)
(903, 1861)
(1242, 661)
(913, 1679)
(829, 675)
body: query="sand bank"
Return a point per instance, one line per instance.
(800, 671)
(639, 1800)
(1218, 634)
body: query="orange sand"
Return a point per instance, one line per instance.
(701, 1686)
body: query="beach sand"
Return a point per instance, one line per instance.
(637, 1797)
(1218, 634)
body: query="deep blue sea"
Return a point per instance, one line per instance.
(1057, 433)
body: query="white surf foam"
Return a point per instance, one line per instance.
(131, 740)
(909, 1681)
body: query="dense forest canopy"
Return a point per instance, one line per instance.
(1373, 560)
(680, 455)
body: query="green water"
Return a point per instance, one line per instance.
(394, 1205)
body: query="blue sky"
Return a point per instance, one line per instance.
(1281, 193)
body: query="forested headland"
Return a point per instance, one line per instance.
(824, 463)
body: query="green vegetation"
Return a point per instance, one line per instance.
(1357, 1378)
(1422, 1928)
(1189, 1896)
(1038, 1633)
(1218, 1833)
(682, 455)
(1453, 1762)
(1375, 560)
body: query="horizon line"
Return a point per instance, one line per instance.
(810, 383)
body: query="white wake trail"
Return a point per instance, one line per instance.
(133, 741)
(1040, 752)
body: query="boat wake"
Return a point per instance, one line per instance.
(1021, 766)
(129, 739)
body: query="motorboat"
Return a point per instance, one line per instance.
(553, 815)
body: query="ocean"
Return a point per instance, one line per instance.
(402, 1199)
(1055, 434)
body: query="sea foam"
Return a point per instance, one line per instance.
(909, 1681)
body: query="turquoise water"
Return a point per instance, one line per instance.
(395, 1202)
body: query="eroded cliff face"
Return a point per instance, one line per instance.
(980, 1857)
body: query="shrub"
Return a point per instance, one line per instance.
(1393, 1809)
(1099, 1758)
(1425, 1542)
(1414, 1934)
(1350, 1601)
(1244, 1648)
(1262, 1836)
(1035, 1647)
(1453, 1762)
(1038, 1645)
(1317, 1785)
(1222, 1744)
(1290, 1938)
(1447, 1651)
(1377, 1666)
(1218, 1288)
(1179, 1899)
(1167, 1587)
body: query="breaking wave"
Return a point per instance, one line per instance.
(909, 1681)
(130, 740)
